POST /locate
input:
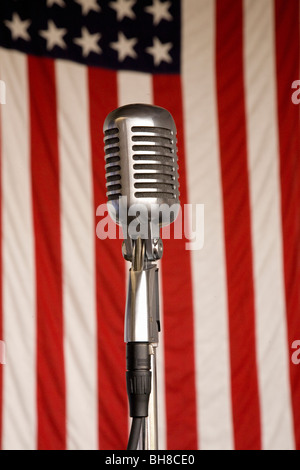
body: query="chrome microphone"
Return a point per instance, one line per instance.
(143, 193)
(141, 169)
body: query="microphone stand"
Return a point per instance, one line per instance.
(142, 326)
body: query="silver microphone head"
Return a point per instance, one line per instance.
(141, 160)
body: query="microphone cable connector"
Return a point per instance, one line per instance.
(138, 378)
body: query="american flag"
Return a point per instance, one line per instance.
(231, 311)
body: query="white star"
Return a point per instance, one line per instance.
(54, 36)
(123, 8)
(160, 52)
(88, 42)
(124, 47)
(159, 11)
(60, 3)
(18, 27)
(88, 5)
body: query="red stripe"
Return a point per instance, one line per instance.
(178, 300)
(288, 67)
(46, 212)
(110, 281)
(238, 246)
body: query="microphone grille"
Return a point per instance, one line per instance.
(154, 155)
(141, 155)
(113, 164)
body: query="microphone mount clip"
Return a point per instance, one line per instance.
(153, 249)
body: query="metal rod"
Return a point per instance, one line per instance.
(149, 432)
(142, 326)
(152, 426)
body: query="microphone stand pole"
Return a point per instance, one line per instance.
(142, 326)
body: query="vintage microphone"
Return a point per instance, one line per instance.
(143, 195)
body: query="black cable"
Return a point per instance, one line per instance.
(138, 379)
(135, 431)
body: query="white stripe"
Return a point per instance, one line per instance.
(273, 367)
(19, 312)
(204, 182)
(134, 87)
(78, 237)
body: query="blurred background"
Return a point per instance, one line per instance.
(228, 363)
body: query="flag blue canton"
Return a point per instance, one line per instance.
(140, 35)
